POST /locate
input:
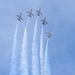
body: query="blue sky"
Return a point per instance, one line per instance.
(61, 20)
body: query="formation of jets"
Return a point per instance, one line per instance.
(38, 13)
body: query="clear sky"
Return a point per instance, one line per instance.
(61, 20)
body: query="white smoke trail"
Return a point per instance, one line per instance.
(41, 53)
(24, 53)
(47, 70)
(35, 60)
(14, 59)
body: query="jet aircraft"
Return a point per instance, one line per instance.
(19, 17)
(30, 14)
(38, 12)
(49, 35)
(44, 22)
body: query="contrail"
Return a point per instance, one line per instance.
(47, 70)
(24, 53)
(41, 53)
(14, 59)
(35, 54)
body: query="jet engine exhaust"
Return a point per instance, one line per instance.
(41, 53)
(47, 70)
(24, 53)
(35, 55)
(14, 58)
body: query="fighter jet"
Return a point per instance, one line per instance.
(30, 14)
(44, 22)
(49, 35)
(19, 17)
(38, 12)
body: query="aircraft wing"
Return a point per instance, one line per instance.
(41, 13)
(17, 15)
(51, 35)
(28, 12)
(36, 10)
(46, 22)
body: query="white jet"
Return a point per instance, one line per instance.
(44, 22)
(30, 14)
(38, 12)
(49, 35)
(19, 17)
